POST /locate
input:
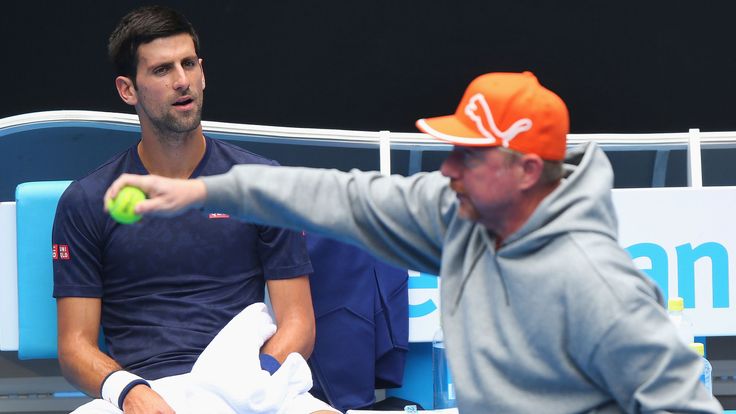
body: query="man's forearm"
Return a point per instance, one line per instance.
(291, 301)
(295, 335)
(86, 367)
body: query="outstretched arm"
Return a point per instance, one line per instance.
(401, 219)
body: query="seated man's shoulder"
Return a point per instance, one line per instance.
(229, 152)
(86, 193)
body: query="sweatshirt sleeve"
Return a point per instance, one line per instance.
(653, 373)
(401, 219)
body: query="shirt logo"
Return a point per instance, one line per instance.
(479, 112)
(64, 252)
(218, 216)
(60, 251)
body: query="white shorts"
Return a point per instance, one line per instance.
(302, 404)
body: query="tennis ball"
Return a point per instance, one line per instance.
(122, 207)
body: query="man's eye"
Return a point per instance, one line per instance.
(160, 71)
(471, 158)
(468, 155)
(189, 63)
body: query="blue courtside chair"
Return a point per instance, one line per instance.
(35, 209)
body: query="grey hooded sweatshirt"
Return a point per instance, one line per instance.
(556, 320)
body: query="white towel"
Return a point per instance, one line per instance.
(227, 377)
(230, 368)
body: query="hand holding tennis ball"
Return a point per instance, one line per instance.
(156, 196)
(122, 207)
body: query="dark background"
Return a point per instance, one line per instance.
(622, 66)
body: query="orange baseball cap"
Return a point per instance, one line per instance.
(506, 109)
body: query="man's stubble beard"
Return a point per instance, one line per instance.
(173, 130)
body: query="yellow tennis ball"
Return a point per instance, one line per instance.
(122, 207)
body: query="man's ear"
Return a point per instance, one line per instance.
(201, 67)
(126, 90)
(531, 168)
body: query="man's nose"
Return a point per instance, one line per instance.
(452, 165)
(181, 81)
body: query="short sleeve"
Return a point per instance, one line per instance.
(76, 246)
(283, 253)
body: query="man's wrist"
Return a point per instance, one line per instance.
(117, 384)
(269, 363)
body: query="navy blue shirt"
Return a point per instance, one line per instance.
(168, 285)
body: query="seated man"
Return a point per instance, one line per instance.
(162, 289)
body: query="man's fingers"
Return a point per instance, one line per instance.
(160, 206)
(122, 181)
(161, 203)
(164, 196)
(147, 205)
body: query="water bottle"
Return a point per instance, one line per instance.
(705, 376)
(444, 389)
(675, 307)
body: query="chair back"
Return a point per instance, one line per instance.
(35, 210)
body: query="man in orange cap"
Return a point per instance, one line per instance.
(535, 126)
(542, 310)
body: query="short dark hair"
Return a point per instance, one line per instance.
(141, 26)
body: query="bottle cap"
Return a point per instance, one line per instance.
(676, 304)
(698, 348)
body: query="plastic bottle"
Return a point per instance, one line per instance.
(444, 389)
(675, 307)
(705, 376)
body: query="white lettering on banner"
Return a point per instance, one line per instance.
(686, 252)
